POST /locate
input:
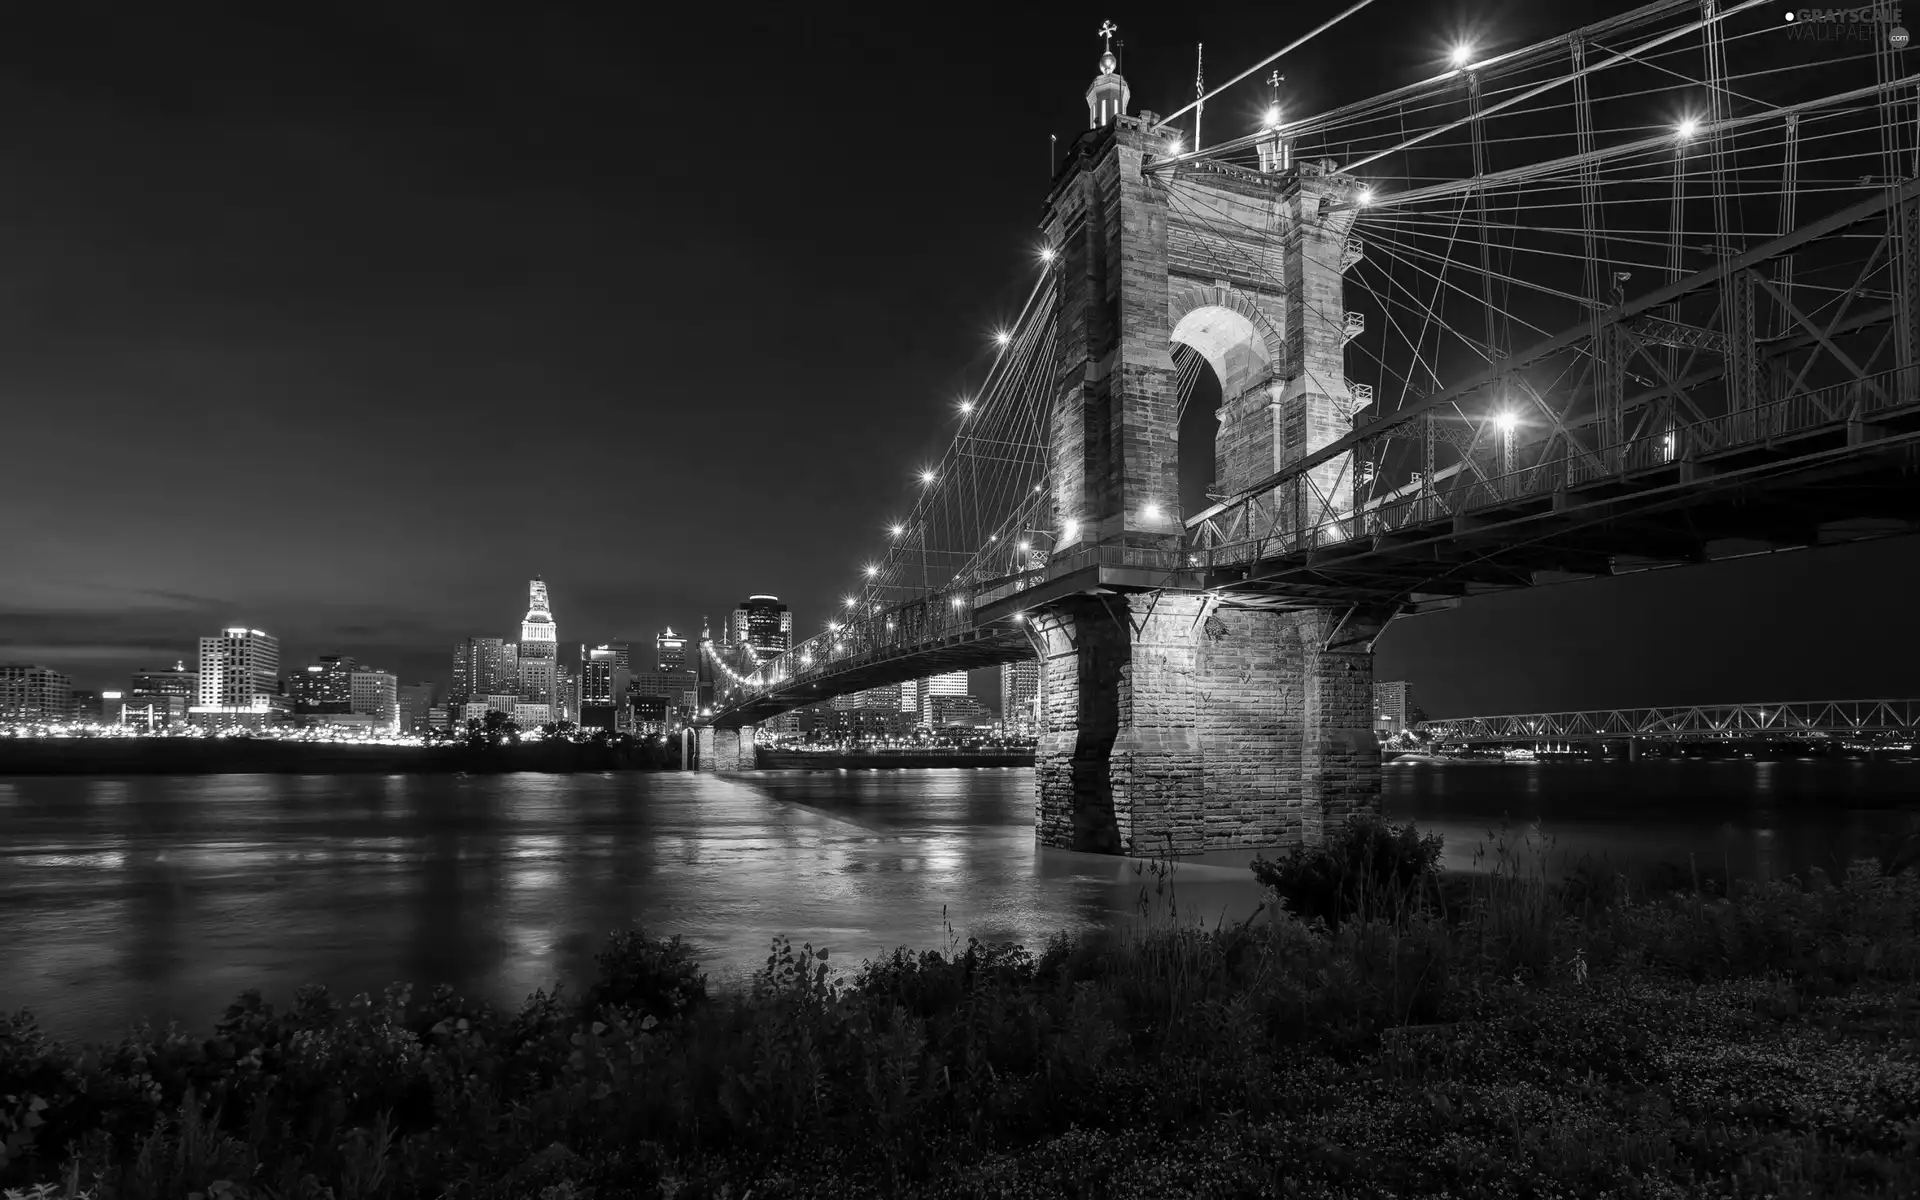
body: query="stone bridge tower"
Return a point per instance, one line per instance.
(1174, 719)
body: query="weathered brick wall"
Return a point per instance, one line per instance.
(1174, 723)
(726, 751)
(1340, 754)
(747, 757)
(705, 748)
(1157, 776)
(1316, 405)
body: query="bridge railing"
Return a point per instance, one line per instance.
(1807, 413)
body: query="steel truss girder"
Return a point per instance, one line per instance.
(1719, 722)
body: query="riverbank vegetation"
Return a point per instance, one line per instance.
(1377, 1031)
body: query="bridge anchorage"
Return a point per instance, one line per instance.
(1468, 335)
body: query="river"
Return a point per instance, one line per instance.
(166, 896)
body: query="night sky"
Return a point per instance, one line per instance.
(343, 321)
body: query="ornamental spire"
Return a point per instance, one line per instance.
(1107, 98)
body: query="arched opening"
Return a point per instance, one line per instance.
(1222, 349)
(1198, 389)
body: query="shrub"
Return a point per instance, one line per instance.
(651, 976)
(1367, 868)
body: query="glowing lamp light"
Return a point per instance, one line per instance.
(896, 530)
(1150, 511)
(1273, 117)
(851, 602)
(1002, 337)
(1047, 254)
(872, 570)
(1025, 546)
(1461, 56)
(966, 407)
(1365, 197)
(1507, 420)
(1066, 530)
(1687, 129)
(833, 627)
(1173, 147)
(927, 477)
(1017, 618)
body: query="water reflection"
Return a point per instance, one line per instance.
(166, 896)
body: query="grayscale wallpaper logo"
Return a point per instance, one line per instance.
(1861, 23)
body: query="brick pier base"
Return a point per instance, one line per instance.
(727, 749)
(1171, 723)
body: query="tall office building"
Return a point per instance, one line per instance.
(478, 669)
(1392, 706)
(376, 694)
(159, 699)
(32, 693)
(566, 693)
(416, 705)
(766, 626)
(604, 682)
(1020, 697)
(669, 651)
(763, 623)
(931, 689)
(239, 677)
(539, 661)
(325, 686)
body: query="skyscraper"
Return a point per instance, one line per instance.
(763, 623)
(239, 676)
(603, 687)
(1392, 702)
(477, 669)
(539, 652)
(1020, 697)
(416, 702)
(669, 652)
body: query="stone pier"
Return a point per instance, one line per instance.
(1174, 723)
(727, 749)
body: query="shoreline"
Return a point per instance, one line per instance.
(266, 756)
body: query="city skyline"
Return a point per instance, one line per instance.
(147, 310)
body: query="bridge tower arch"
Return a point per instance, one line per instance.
(1179, 719)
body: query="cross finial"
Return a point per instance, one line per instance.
(1107, 30)
(1274, 80)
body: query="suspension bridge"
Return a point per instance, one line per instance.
(1642, 295)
